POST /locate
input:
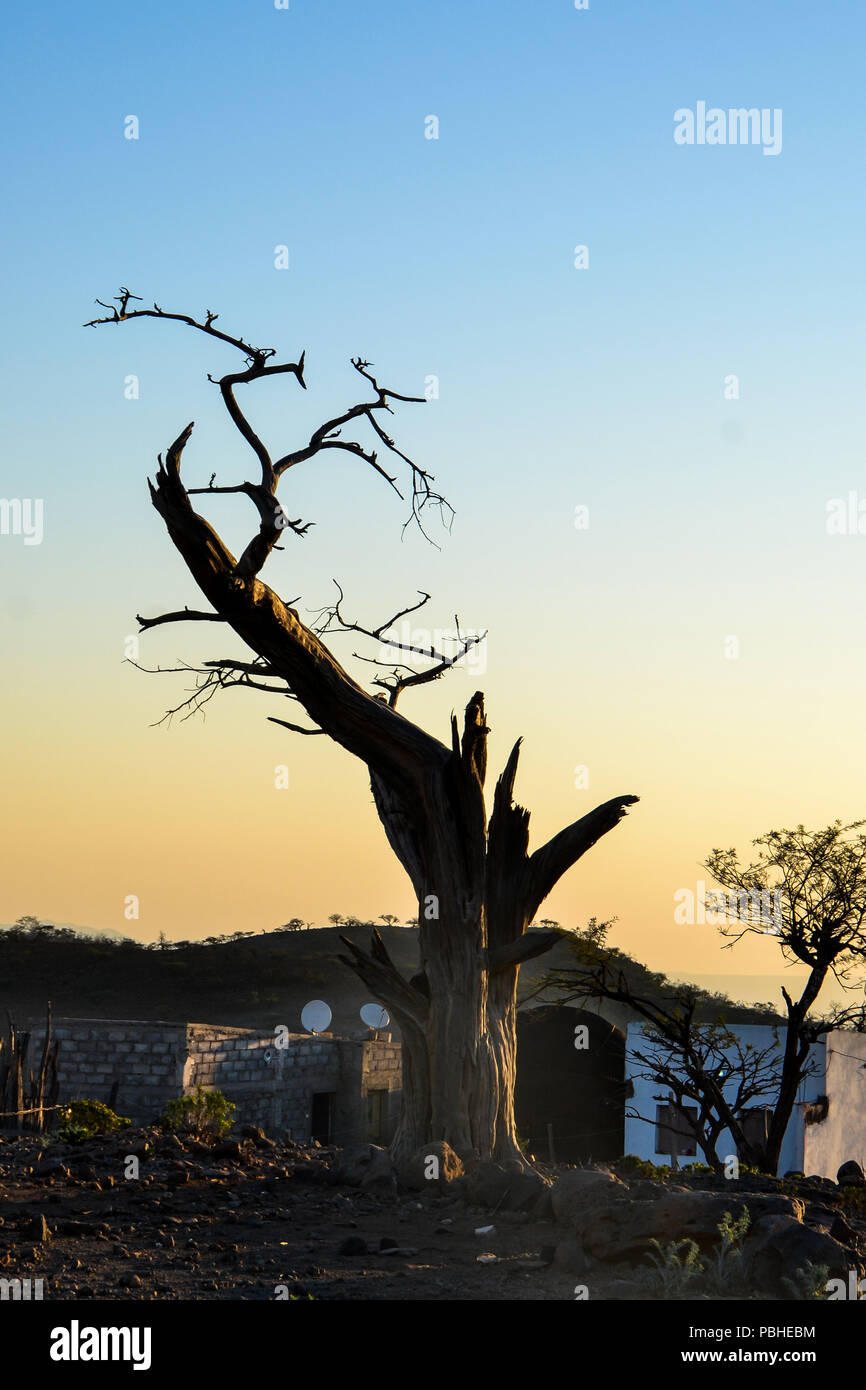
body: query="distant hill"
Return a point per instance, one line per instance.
(108, 933)
(255, 981)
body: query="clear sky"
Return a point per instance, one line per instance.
(559, 387)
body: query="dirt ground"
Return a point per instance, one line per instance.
(247, 1222)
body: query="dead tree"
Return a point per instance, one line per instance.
(27, 1098)
(477, 885)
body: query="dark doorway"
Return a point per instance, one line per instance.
(571, 1076)
(320, 1116)
(377, 1116)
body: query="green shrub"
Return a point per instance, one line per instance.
(727, 1268)
(852, 1200)
(680, 1271)
(808, 1282)
(676, 1264)
(81, 1119)
(640, 1167)
(205, 1115)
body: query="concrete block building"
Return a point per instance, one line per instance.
(300, 1086)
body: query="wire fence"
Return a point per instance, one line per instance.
(33, 1110)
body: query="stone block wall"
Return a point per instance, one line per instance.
(152, 1063)
(142, 1059)
(271, 1086)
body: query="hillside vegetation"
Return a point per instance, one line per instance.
(248, 980)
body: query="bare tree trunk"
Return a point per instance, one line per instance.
(479, 892)
(796, 1055)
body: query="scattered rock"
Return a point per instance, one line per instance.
(767, 1226)
(583, 1188)
(623, 1230)
(841, 1231)
(258, 1136)
(506, 1185)
(353, 1245)
(38, 1229)
(169, 1144)
(368, 1167)
(789, 1246)
(570, 1256)
(431, 1167)
(231, 1150)
(850, 1174)
(48, 1168)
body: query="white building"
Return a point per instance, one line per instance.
(827, 1126)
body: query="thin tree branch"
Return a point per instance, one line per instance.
(185, 615)
(295, 728)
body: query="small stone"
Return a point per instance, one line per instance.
(230, 1149)
(38, 1229)
(570, 1256)
(50, 1168)
(841, 1231)
(353, 1245)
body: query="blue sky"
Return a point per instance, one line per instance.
(305, 127)
(558, 387)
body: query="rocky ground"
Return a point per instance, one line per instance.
(251, 1219)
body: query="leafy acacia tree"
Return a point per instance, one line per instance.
(477, 885)
(808, 889)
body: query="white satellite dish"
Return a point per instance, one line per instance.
(316, 1016)
(375, 1016)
